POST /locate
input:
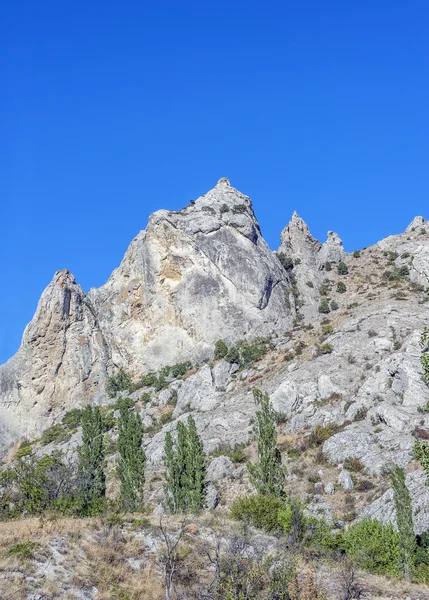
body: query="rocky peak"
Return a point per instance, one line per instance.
(298, 244)
(416, 222)
(191, 277)
(61, 362)
(332, 250)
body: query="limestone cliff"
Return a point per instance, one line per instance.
(188, 279)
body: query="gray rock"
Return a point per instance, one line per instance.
(416, 222)
(329, 488)
(331, 251)
(147, 421)
(326, 387)
(164, 397)
(198, 392)
(219, 468)
(221, 374)
(345, 481)
(212, 497)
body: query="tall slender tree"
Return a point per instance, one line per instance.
(268, 474)
(91, 476)
(404, 521)
(424, 359)
(185, 469)
(132, 458)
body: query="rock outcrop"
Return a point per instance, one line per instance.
(61, 363)
(190, 278)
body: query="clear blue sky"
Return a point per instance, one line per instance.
(111, 110)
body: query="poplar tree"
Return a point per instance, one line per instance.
(424, 359)
(268, 474)
(132, 458)
(185, 469)
(404, 521)
(91, 476)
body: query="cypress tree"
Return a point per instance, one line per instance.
(268, 474)
(91, 477)
(185, 469)
(404, 521)
(424, 359)
(195, 468)
(132, 458)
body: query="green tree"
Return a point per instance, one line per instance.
(132, 458)
(195, 468)
(91, 476)
(324, 306)
(220, 350)
(342, 268)
(374, 545)
(119, 382)
(268, 474)
(185, 469)
(404, 521)
(424, 359)
(421, 452)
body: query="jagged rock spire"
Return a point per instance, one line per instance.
(332, 250)
(416, 222)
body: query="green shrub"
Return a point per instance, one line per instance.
(166, 417)
(320, 434)
(285, 260)
(23, 451)
(245, 353)
(148, 380)
(353, 464)
(55, 433)
(328, 266)
(145, 398)
(342, 268)
(118, 383)
(374, 545)
(176, 371)
(239, 208)
(23, 550)
(224, 208)
(324, 306)
(326, 348)
(341, 287)
(334, 305)
(127, 403)
(259, 511)
(237, 454)
(356, 253)
(220, 350)
(72, 419)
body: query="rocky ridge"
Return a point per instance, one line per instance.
(351, 373)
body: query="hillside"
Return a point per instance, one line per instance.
(333, 338)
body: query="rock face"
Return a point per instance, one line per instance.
(191, 278)
(298, 244)
(331, 251)
(352, 375)
(61, 363)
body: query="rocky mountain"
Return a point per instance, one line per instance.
(189, 278)
(340, 355)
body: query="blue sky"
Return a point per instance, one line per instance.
(111, 110)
